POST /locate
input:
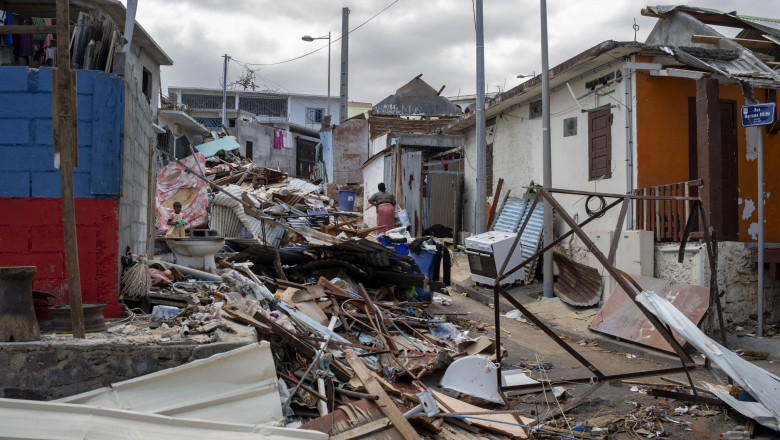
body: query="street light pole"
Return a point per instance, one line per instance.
(310, 39)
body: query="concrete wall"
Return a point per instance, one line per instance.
(264, 153)
(350, 150)
(42, 371)
(736, 277)
(299, 104)
(31, 231)
(137, 196)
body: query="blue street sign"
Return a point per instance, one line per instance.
(758, 114)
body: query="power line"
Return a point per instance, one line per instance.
(323, 47)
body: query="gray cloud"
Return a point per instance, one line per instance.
(433, 37)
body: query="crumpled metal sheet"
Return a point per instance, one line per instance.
(272, 232)
(578, 285)
(35, 420)
(238, 386)
(301, 187)
(761, 384)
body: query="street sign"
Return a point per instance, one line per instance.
(758, 114)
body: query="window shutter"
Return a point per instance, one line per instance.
(599, 144)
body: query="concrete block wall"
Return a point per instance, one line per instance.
(350, 150)
(263, 152)
(45, 371)
(138, 145)
(31, 231)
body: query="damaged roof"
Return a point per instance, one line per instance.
(416, 98)
(683, 34)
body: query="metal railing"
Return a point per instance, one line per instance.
(665, 218)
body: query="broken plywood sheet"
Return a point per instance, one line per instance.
(238, 386)
(452, 405)
(621, 318)
(35, 420)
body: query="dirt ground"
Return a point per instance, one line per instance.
(623, 407)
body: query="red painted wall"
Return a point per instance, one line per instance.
(31, 234)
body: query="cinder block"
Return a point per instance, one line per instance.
(85, 80)
(86, 237)
(14, 79)
(15, 184)
(26, 158)
(15, 239)
(84, 108)
(47, 184)
(43, 131)
(50, 264)
(45, 75)
(48, 238)
(25, 105)
(14, 131)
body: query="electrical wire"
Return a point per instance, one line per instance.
(329, 42)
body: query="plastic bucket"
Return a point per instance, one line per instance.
(346, 200)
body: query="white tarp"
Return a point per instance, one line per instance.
(761, 384)
(33, 420)
(238, 386)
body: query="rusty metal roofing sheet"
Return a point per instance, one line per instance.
(621, 318)
(578, 285)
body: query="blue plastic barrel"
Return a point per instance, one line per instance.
(346, 200)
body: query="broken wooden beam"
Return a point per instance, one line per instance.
(385, 403)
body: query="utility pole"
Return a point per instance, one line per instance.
(343, 111)
(64, 134)
(480, 201)
(224, 92)
(547, 261)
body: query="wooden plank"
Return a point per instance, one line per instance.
(495, 426)
(363, 430)
(496, 195)
(385, 403)
(27, 30)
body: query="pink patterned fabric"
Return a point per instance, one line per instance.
(194, 211)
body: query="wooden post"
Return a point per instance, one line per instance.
(65, 151)
(494, 206)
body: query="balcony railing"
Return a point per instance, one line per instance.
(666, 218)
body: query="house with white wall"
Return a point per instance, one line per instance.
(252, 117)
(659, 117)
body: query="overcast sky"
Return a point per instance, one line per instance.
(433, 37)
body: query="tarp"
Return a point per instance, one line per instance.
(226, 143)
(761, 384)
(175, 184)
(238, 386)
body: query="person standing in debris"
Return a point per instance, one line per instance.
(385, 208)
(176, 223)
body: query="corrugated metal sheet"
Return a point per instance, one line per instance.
(411, 168)
(228, 214)
(510, 215)
(510, 219)
(301, 187)
(578, 285)
(532, 237)
(441, 200)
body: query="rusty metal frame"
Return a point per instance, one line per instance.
(631, 287)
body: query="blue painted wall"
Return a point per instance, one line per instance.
(26, 146)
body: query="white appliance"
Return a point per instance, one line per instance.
(488, 251)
